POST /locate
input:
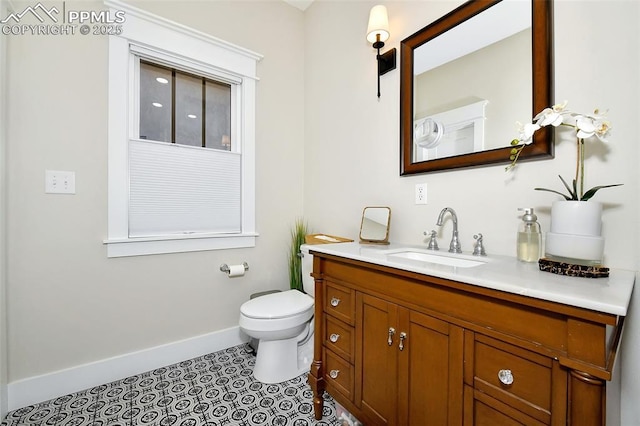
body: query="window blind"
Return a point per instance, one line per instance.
(178, 189)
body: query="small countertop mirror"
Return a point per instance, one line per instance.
(374, 228)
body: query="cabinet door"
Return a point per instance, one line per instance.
(430, 371)
(408, 365)
(376, 359)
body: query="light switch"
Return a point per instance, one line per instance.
(59, 182)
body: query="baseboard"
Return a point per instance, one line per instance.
(48, 386)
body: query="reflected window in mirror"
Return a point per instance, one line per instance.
(475, 72)
(452, 132)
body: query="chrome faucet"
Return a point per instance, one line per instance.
(454, 247)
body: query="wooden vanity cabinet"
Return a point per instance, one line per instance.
(400, 348)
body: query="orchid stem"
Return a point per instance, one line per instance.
(581, 168)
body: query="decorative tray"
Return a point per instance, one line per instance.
(572, 270)
(324, 239)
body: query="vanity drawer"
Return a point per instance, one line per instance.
(515, 376)
(338, 374)
(339, 337)
(490, 412)
(339, 302)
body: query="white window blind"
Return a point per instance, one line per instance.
(178, 189)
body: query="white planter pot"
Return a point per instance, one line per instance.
(575, 236)
(576, 218)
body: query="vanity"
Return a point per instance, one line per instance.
(402, 338)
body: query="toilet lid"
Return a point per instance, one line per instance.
(277, 305)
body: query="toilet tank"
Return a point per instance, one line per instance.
(308, 283)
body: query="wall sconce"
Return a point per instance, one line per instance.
(378, 33)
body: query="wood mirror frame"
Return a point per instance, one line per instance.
(542, 82)
(374, 228)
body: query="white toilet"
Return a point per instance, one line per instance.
(283, 324)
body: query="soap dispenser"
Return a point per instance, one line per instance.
(529, 237)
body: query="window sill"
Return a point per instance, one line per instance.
(125, 247)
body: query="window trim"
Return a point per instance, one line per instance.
(162, 40)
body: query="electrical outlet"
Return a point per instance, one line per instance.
(421, 193)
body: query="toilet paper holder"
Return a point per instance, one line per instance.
(225, 268)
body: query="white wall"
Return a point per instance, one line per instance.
(352, 140)
(67, 303)
(3, 281)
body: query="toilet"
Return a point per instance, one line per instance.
(283, 325)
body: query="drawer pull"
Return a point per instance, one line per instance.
(505, 376)
(334, 337)
(392, 331)
(334, 374)
(335, 301)
(403, 336)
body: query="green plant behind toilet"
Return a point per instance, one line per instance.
(299, 231)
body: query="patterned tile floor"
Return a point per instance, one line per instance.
(215, 389)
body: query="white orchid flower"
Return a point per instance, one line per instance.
(560, 107)
(553, 116)
(602, 129)
(527, 131)
(588, 126)
(602, 125)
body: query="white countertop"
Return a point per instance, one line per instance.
(609, 295)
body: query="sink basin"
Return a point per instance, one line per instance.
(419, 257)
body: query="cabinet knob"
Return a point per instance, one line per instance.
(403, 336)
(334, 337)
(335, 301)
(505, 376)
(334, 374)
(392, 331)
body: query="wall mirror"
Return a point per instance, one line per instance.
(468, 77)
(374, 228)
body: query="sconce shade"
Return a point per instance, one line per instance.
(378, 24)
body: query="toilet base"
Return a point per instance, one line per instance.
(281, 360)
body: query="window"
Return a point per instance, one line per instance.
(181, 140)
(194, 186)
(183, 108)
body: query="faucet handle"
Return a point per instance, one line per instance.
(433, 242)
(479, 250)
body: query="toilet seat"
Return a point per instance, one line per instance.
(274, 306)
